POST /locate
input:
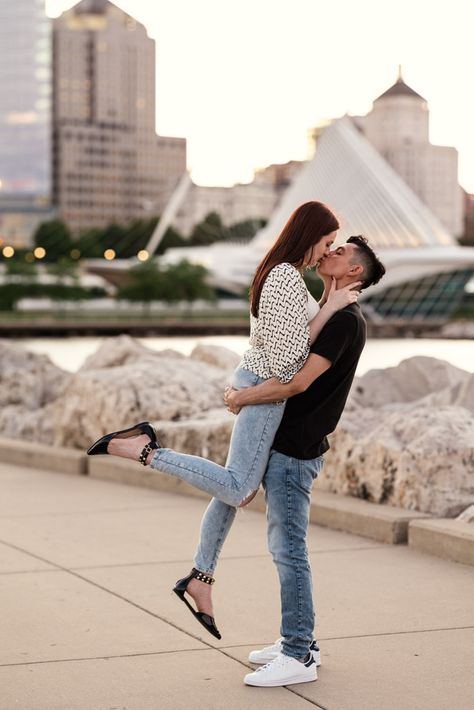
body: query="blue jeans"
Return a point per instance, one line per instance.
(252, 438)
(287, 484)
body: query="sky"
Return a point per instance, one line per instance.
(244, 80)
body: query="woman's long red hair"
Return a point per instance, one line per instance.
(308, 224)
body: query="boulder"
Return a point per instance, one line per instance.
(124, 350)
(413, 456)
(208, 437)
(216, 355)
(28, 379)
(148, 386)
(412, 379)
(467, 516)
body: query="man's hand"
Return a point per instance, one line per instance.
(230, 395)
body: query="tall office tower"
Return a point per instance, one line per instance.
(398, 126)
(108, 163)
(25, 101)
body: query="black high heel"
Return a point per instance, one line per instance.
(100, 446)
(204, 619)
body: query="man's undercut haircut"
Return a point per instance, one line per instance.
(373, 269)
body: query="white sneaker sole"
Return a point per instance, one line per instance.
(260, 660)
(287, 681)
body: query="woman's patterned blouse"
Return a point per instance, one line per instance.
(279, 337)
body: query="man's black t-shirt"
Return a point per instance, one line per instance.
(310, 416)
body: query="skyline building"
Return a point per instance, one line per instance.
(108, 163)
(25, 105)
(398, 127)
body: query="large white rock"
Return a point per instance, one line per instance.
(467, 516)
(119, 386)
(412, 379)
(216, 355)
(124, 350)
(28, 379)
(413, 454)
(29, 383)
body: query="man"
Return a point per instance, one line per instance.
(316, 398)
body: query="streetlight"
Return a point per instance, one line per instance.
(109, 254)
(39, 252)
(143, 255)
(8, 252)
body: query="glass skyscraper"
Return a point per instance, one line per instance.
(25, 99)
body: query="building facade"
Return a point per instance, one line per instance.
(398, 127)
(254, 200)
(25, 104)
(108, 163)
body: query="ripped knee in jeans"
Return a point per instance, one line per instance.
(248, 498)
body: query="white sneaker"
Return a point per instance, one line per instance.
(267, 654)
(283, 670)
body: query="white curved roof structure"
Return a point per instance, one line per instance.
(366, 193)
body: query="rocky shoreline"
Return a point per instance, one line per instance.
(405, 439)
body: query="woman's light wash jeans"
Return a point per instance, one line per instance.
(287, 484)
(252, 438)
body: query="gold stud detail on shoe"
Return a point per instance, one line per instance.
(147, 449)
(207, 579)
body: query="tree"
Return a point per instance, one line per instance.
(89, 244)
(171, 239)
(64, 269)
(187, 282)
(246, 229)
(210, 230)
(143, 284)
(178, 282)
(55, 237)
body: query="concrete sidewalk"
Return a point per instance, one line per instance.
(89, 621)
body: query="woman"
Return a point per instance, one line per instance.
(285, 320)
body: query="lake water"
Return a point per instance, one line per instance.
(70, 353)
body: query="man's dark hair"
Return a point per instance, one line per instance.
(373, 267)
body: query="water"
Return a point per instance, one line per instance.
(70, 353)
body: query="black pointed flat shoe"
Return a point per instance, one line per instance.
(100, 446)
(204, 619)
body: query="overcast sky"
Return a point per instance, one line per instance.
(244, 80)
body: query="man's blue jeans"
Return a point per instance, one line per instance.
(287, 484)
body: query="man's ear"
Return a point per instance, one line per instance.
(356, 270)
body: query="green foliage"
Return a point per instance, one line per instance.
(55, 237)
(208, 231)
(188, 282)
(246, 229)
(64, 268)
(89, 244)
(128, 240)
(171, 239)
(150, 281)
(20, 267)
(10, 293)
